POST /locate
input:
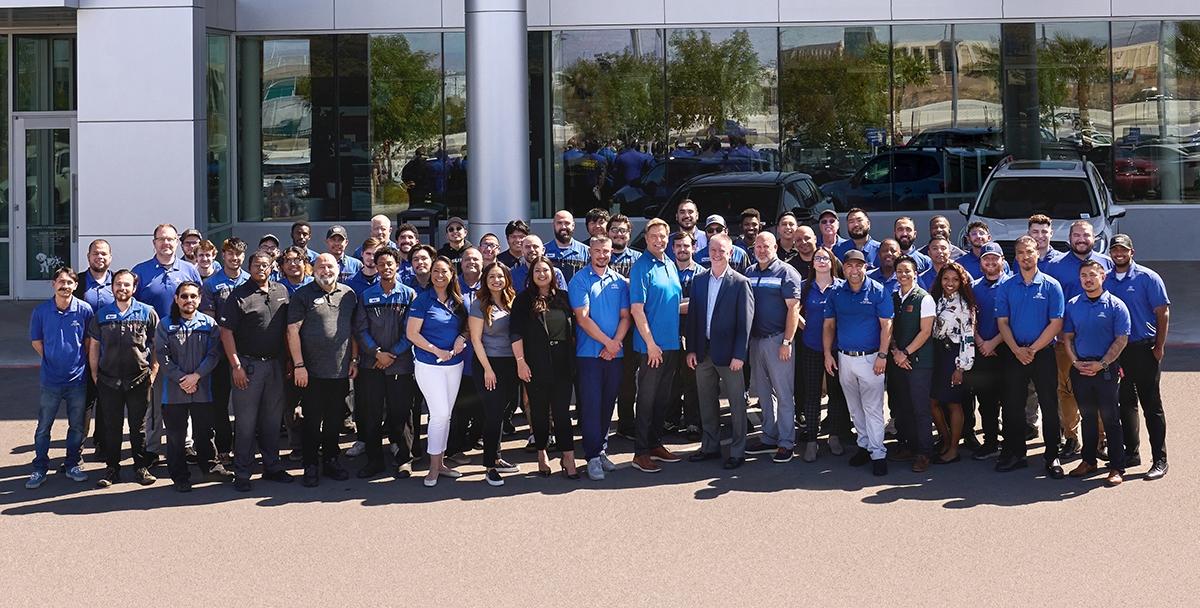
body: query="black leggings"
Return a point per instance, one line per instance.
(495, 402)
(550, 394)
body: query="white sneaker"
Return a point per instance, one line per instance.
(504, 466)
(430, 482)
(76, 473)
(605, 463)
(595, 469)
(358, 449)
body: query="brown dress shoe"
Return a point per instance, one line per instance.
(1083, 470)
(921, 464)
(662, 454)
(1114, 479)
(901, 455)
(644, 464)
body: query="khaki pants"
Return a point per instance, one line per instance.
(1068, 409)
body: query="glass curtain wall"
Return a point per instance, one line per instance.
(217, 113)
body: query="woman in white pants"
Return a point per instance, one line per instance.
(437, 329)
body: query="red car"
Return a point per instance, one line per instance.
(1135, 178)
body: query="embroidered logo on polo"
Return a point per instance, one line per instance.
(1039, 296)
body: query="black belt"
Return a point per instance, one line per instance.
(1090, 359)
(857, 353)
(765, 336)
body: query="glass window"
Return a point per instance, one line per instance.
(217, 113)
(541, 144)
(45, 73)
(454, 150)
(1074, 93)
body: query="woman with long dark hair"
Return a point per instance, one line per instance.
(826, 273)
(953, 354)
(437, 329)
(543, 328)
(495, 367)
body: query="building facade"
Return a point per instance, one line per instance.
(241, 117)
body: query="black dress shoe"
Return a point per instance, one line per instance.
(733, 463)
(241, 484)
(1158, 471)
(702, 456)
(1133, 461)
(334, 471)
(1069, 449)
(1054, 469)
(372, 469)
(183, 487)
(312, 478)
(860, 458)
(280, 476)
(879, 467)
(1009, 463)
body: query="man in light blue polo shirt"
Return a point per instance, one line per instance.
(58, 332)
(885, 273)
(655, 295)
(858, 318)
(217, 287)
(94, 285)
(1029, 309)
(600, 299)
(568, 254)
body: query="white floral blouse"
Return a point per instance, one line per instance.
(955, 322)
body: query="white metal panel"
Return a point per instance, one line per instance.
(454, 13)
(1143, 8)
(537, 12)
(947, 9)
(567, 13)
(284, 15)
(141, 3)
(722, 11)
(387, 14)
(836, 10)
(1055, 9)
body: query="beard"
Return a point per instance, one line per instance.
(562, 234)
(905, 244)
(326, 281)
(859, 233)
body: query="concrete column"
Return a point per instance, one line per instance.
(141, 121)
(497, 114)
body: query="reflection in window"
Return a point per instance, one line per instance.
(1073, 87)
(454, 152)
(217, 114)
(45, 78)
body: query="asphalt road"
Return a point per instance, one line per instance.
(793, 534)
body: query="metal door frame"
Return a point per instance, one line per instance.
(22, 123)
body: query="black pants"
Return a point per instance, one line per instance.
(324, 411)
(1043, 372)
(1141, 384)
(986, 381)
(175, 418)
(385, 403)
(1097, 397)
(908, 395)
(412, 426)
(627, 396)
(654, 395)
(114, 403)
(466, 419)
(550, 396)
(812, 364)
(222, 428)
(91, 406)
(685, 400)
(495, 402)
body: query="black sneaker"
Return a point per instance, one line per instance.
(494, 478)
(334, 471)
(183, 487)
(1031, 432)
(508, 429)
(985, 451)
(860, 458)
(1069, 448)
(1133, 461)
(971, 442)
(144, 477)
(280, 476)
(311, 477)
(242, 484)
(758, 447)
(109, 478)
(693, 433)
(879, 467)
(372, 469)
(783, 455)
(1009, 463)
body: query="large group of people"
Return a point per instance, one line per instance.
(229, 351)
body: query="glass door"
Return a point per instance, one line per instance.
(43, 195)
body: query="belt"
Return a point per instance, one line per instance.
(765, 336)
(1090, 359)
(857, 353)
(255, 357)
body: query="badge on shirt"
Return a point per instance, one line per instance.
(908, 308)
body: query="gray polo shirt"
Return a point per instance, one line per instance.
(328, 326)
(496, 340)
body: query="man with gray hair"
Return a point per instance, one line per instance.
(381, 228)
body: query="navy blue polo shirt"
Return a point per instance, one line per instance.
(890, 284)
(440, 326)
(858, 313)
(605, 296)
(348, 266)
(1142, 290)
(97, 294)
(1065, 270)
(814, 315)
(870, 251)
(1029, 308)
(772, 286)
(985, 301)
(623, 261)
(157, 283)
(1095, 323)
(928, 278)
(569, 258)
(654, 283)
(216, 290)
(64, 361)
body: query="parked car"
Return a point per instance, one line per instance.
(1064, 190)
(1177, 165)
(912, 178)
(980, 137)
(727, 194)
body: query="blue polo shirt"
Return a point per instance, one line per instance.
(348, 266)
(312, 255)
(440, 326)
(985, 301)
(1142, 290)
(360, 282)
(468, 294)
(737, 259)
(928, 278)
(605, 296)
(64, 362)
(973, 265)
(97, 294)
(1029, 308)
(157, 283)
(772, 286)
(1065, 270)
(216, 289)
(287, 283)
(814, 315)
(858, 313)
(654, 283)
(890, 284)
(870, 251)
(569, 258)
(1095, 323)
(922, 260)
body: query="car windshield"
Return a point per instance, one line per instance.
(1056, 197)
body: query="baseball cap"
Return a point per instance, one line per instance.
(190, 232)
(1121, 240)
(828, 212)
(714, 219)
(455, 220)
(336, 230)
(990, 249)
(854, 254)
(269, 237)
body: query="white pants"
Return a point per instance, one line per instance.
(439, 385)
(864, 399)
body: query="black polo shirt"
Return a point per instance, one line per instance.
(258, 318)
(327, 325)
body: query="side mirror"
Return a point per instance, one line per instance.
(965, 209)
(650, 212)
(1116, 211)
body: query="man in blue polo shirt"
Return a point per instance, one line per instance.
(904, 230)
(94, 286)
(978, 235)
(157, 279)
(217, 287)
(986, 377)
(776, 289)
(939, 255)
(858, 227)
(858, 318)
(1065, 269)
(654, 295)
(335, 243)
(301, 235)
(568, 254)
(600, 299)
(1029, 309)
(1143, 292)
(885, 273)
(1095, 331)
(58, 332)
(828, 224)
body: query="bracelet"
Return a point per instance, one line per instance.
(297, 365)
(520, 358)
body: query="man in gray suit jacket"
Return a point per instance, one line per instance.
(717, 336)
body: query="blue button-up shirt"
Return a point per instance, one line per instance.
(1142, 290)
(858, 313)
(605, 296)
(157, 283)
(1029, 307)
(654, 283)
(1095, 323)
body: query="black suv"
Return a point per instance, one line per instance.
(727, 194)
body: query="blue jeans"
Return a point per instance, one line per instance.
(599, 383)
(52, 397)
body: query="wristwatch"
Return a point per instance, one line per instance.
(787, 342)
(1103, 364)
(881, 355)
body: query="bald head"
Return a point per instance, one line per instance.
(325, 270)
(765, 248)
(534, 248)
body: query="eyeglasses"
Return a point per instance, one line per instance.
(490, 246)
(827, 222)
(714, 229)
(618, 231)
(822, 258)
(455, 229)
